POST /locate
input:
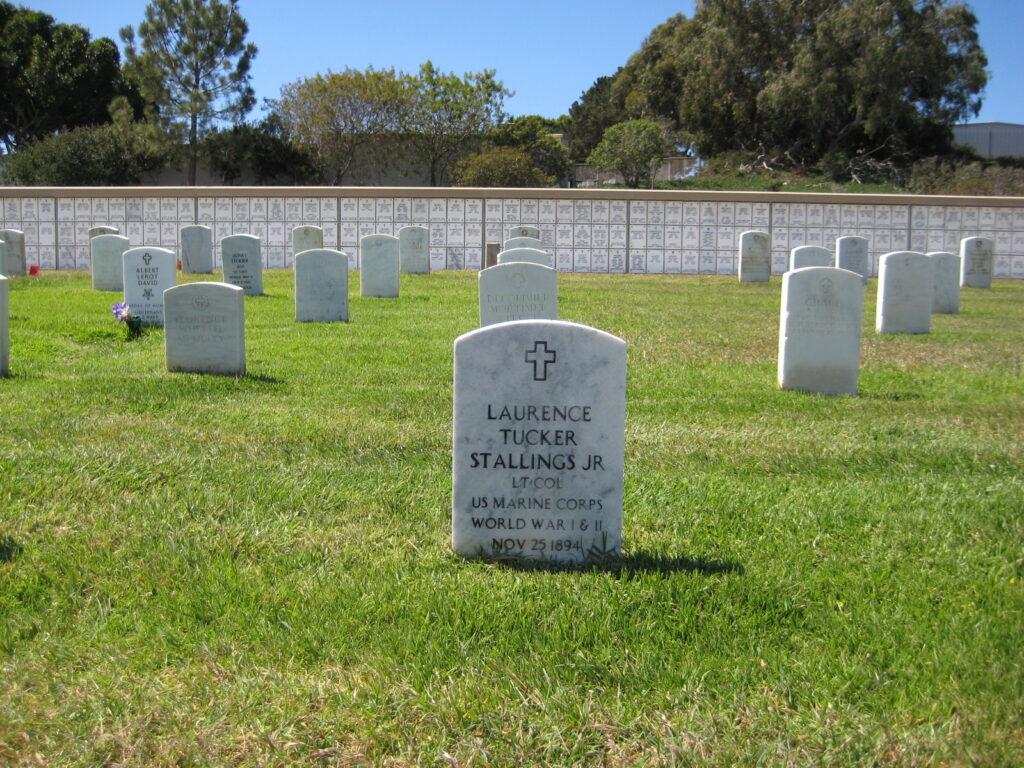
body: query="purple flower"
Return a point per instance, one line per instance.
(121, 311)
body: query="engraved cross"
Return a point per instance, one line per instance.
(147, 258)
(541, 357)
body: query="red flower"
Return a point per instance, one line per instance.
(33, 270)
(179, 264)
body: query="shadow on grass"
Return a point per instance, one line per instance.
(9, 549)
(895, 396)
(627, 566)
(263, 379)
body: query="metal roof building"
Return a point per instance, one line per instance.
(991, 139)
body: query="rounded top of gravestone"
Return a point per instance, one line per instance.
(807, 250)
(377, 237)
(153, 250)
(538, 328)
(529, 266)
(111, 239)
(977, 242)
(240, 238)
(204, 291)
(320, 254)
(534, 255)
(824, 274)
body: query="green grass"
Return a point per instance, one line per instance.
(206, 571)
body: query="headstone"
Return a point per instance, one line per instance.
(819, 330)
(321, 286)
(518, 291)
(148, 272)
(414, 250)
(5, 327)
(906, 281)
(14, 262)
(946, 300)
(243, 263)
(491, 251)
(307, 238)
(538, 444)
(204, 328)
(378, 273)
(524, 231)
(531, 255)
(810, 256)
(523, 242)
(755, 257)
(102, 229)
(976, 257)
(108, 262)
(196, 249)
(852, 254)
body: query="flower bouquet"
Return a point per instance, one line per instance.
(133, 325)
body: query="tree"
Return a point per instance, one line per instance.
(533, 135)
(54, 76)
(342, 118)
(448, 112)
(193, 63)
(796, 81)
(500, 167)
(591, 115)
(262, 148)
(632, 149)
(100, 155)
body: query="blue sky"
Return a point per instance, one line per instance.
(547, 51)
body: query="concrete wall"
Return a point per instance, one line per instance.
(587, 230)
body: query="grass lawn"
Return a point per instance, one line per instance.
(207, 571)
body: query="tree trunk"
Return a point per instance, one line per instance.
(193, 149)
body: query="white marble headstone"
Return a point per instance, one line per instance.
(204, 329)
(523, 242)
(819, 330)
(538, 444)
(977, 255)
(196, 249)
(518, 290)
(906, 282)
(5, 327)
(378, 271)
(524, 230)
(321, 286)
(14, 242)
(102, 229)
(810, 256)
(148, 272)
(852, 254)
(531, 255)
(755, 257)
(108, 262)
(243, 263)
(946, 300)
(414, 250)
(307, 238)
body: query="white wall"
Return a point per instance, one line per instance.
(588, 231)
